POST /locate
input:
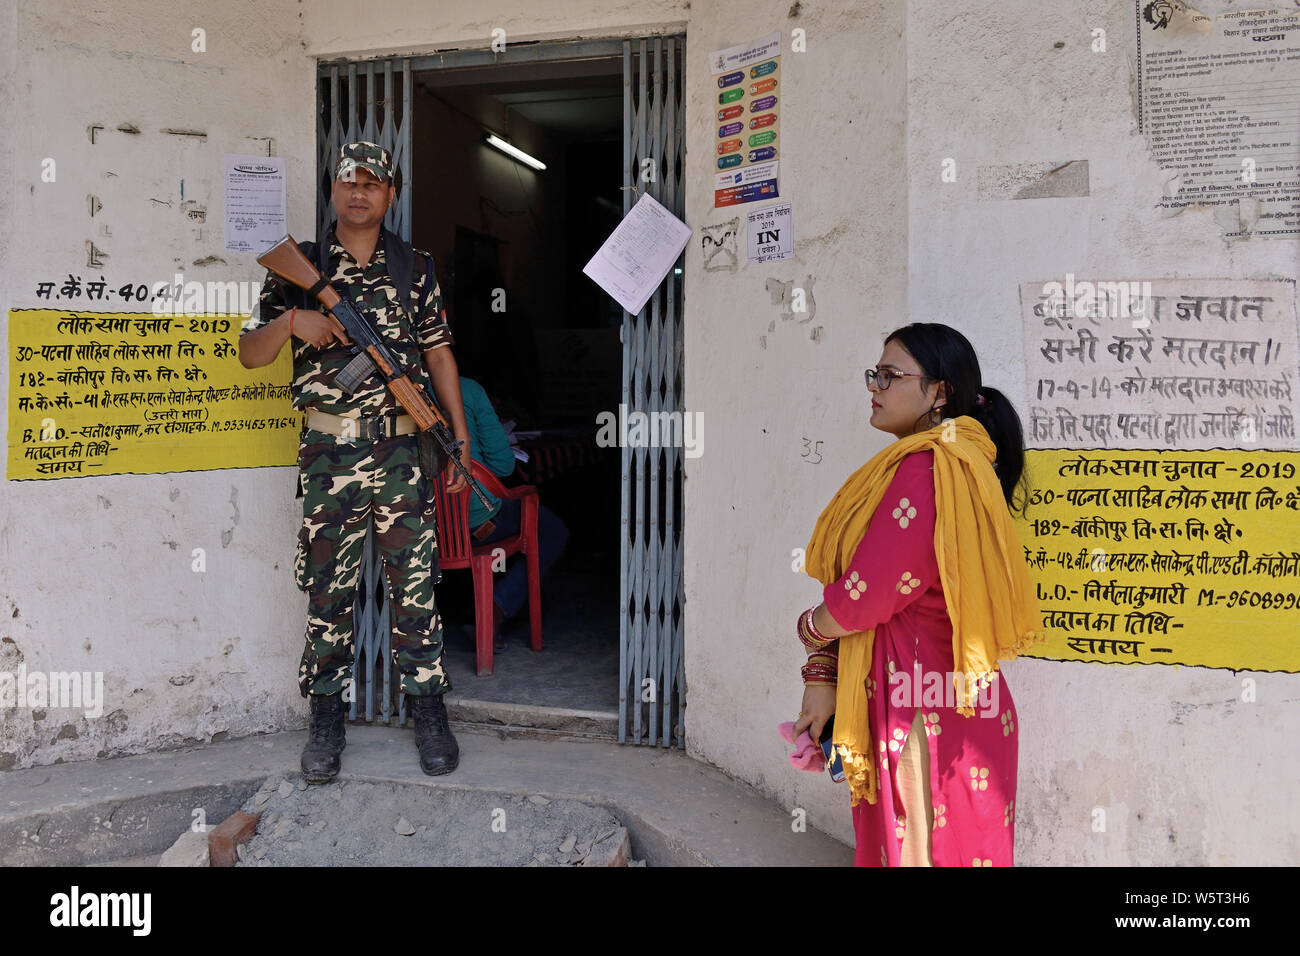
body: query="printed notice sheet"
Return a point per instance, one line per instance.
(1219, 102)
(771, 235)
(638, 254)
(255, 207)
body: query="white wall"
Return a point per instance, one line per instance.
(752, 498)
(97, 571)
(334, 28)
(1186, 771)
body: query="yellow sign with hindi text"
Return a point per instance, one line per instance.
(1166, 557)
(100, 393)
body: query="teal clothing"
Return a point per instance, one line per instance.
(489, 445)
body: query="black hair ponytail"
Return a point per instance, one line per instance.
(946, 355)
(999, 418)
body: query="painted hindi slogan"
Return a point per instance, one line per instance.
(100, 393)
(1165, 363)
(1164, 510)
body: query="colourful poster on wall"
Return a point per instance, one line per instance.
(112, 393)
(1164, 505)
(747, 129)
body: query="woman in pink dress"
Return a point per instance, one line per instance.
(946, 780)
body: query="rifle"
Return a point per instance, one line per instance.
(371, 354)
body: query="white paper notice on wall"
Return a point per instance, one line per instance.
(255, 204)
(771, 233)
(638, 253)
(1216, 99)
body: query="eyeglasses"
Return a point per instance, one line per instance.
(882, 378)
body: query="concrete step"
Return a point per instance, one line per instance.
(679, 811)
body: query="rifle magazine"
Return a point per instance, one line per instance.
(350, 377)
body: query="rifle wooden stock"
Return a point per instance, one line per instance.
(286, 260)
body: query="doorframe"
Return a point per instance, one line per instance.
(651, 589)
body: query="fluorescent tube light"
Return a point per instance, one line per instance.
(514, 152)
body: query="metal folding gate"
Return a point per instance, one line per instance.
(652, 677)
(372, 100)
(368, 100)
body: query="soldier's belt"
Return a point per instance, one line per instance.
(354, 428)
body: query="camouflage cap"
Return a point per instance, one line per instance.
(364, 155)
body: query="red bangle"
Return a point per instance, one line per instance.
(811, 638)
(291, 312)
(819, 672)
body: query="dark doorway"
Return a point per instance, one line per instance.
(509, 244)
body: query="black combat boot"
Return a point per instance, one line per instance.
(438, 750)
(325, 738)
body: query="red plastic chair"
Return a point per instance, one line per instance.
(456, 549)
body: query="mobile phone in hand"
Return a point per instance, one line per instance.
(834, 765)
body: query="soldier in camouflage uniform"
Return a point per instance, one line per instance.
(359, 457)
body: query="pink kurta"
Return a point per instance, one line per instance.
(893, 586)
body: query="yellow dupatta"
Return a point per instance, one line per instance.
(991, 599)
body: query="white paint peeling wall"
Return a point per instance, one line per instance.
(332, 27)
(753, 497)
(97, 571)
(1184, 771)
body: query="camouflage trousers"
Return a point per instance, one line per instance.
(343, 484)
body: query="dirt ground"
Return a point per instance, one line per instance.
(367, 824)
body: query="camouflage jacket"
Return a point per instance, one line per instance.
(375, 295)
